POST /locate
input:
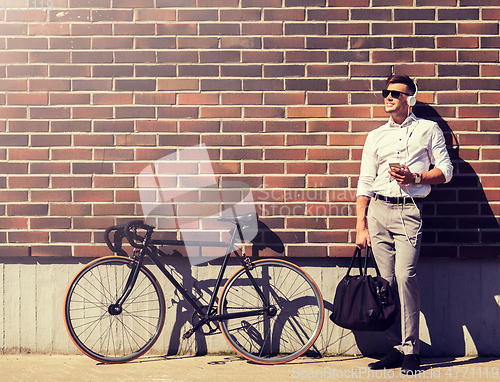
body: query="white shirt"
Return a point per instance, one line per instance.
(417, 143)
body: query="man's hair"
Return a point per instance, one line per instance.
(402, 79)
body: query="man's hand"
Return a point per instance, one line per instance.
(402, 175)
(363, 238)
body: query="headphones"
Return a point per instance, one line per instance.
(412, 100)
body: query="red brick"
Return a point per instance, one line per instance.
(49, 84)
(261, 29)
(52, 29)
(30, 209)
(91, 29)
(114, 98)
(350, 112)
(92, 85)
(25, 71)
(479, 139)
(478, 112)
(135, 140)
(241, 98)
(262, 57)
(306, 168)
(156, 126)
(50, 196)
(334, 70)
(49, 57)
(490, 98)
(136, 29)
(242, 126)
(71, 154)
(27, 99)
(457, 42)
(270, 140)
(327, 125)
(490, 70)
(92, 112)
(307, 112)
(113, 181)
(240, 43)
(457, 98)
(263, 112)
(284, 14)
(435, 56)
(240, 14)
(327, 237)
(370, 71)
(392, 56)
(198, 99)
(491, 14)
(285, 126)
(306, 56)
(28, 237)
(351, 28)
(199, 126)
(284, 98)
(478, 28)
(50, 113)
(477, 56)
(69, 99)
(13, 112)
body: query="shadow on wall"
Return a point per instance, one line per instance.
(460, 295)
(458, 220)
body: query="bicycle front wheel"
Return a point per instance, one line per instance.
(291, 324)
(103, 333)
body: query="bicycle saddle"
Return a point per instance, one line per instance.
(239, 219)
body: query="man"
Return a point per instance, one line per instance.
(394, 179)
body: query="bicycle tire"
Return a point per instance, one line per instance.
(268, 339)
(116, 338)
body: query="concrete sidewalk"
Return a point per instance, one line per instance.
(63, 368)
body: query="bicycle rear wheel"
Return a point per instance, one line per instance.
(102, 333)
(289, 328)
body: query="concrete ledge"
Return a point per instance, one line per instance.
(459, 302)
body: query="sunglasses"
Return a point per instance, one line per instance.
(393, 93)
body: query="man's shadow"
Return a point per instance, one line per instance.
(459, 306)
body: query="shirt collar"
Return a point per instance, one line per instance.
(407, 121)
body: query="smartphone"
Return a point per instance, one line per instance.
(397, 165)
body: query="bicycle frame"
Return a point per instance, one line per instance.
(205, 317)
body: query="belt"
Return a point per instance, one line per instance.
(396, 199)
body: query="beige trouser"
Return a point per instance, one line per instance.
(397, 260)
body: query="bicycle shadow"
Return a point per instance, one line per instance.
(194, 279)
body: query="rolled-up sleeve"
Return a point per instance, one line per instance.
(368, 170)
(439, 154)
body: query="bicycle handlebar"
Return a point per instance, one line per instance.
(128, 234)
(125, 230)
(108, 231)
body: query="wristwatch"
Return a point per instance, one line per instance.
(418, 178)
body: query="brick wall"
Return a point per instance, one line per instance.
(282, 92)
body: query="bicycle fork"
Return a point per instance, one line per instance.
(117, 308)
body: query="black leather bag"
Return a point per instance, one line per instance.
(364, 302)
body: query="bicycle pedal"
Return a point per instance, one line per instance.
(188, 334)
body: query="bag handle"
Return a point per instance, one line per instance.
(358, 254)
(369, 253)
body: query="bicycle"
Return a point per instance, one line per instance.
(270, 311)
